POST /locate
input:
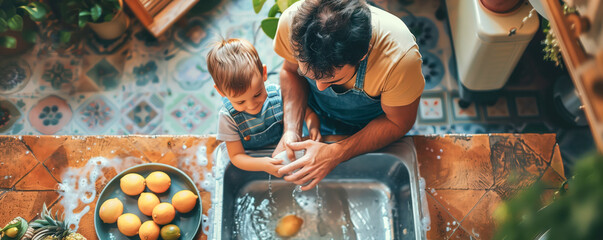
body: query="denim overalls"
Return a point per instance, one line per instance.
(344, 113)
(264, 128)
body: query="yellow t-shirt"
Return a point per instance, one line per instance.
(394, 63)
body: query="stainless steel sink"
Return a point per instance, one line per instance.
(371, 196)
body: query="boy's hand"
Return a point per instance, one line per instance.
(287, 138)
(273, 165)
(313, 124)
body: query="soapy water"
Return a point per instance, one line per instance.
(78, 187)
(330, 212)
(191, 160)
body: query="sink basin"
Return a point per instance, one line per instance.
(372, 196)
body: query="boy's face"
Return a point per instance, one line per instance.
(253, 99)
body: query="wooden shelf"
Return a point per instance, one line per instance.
(158, 15)
(575, 39)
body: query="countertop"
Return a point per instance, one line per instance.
(466, 176)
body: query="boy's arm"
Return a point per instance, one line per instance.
(239, 158)
(313, 124)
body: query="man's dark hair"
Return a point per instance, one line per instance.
(328, 34)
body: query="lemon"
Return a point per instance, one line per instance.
(128, 224)
(149, 230)
(132, 184)
(184, 201)
(170, 232)
(146, 202)
(158, 182)
(111, 210)
(12, 232)
(289, 225)
(163, 213)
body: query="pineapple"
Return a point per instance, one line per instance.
(53, 228)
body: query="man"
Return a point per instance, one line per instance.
(358, 67)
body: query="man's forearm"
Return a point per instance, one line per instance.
(294, 91)
(377, 134)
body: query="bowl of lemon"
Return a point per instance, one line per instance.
(149, 201)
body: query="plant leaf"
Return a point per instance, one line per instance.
(15, 23)
(84, 13)
(37, 11)
(269, 26)
(109, 17)
(257, 5)
(3, 25)
(8, 42)
(65, 36)
(282, 4)
(30, 36)
(81, 21)
(96, 12)
(273, 10)
(2, 14)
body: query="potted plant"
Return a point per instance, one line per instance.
(105, 17)
(576, 211)
(17, 29)
(270, 23)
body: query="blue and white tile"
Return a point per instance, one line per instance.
(433, 71)
(190, 114)
(142, 113)
(96, 113)
(145, 74)
(189, 72)
(102, 73)
(55, 75)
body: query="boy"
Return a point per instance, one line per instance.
(252, 114)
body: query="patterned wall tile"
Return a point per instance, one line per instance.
(97, 114)
(142, 113)
(189, 72)
(190, 113)
(9, 115)
(194, 35)
(51, 115)
(499, 111)
(57, 75)
(472, 113)
(145, 74)
(432, 108)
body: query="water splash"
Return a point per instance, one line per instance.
(193, 158)
(78, 186)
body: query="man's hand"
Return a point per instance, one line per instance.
(320, 159)
(283, 145)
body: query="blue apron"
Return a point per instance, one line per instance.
(264, 128)
(344, 113)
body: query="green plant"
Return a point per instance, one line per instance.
(575, 213)
(11, 18)
(551, 49)
(80, 12)
(270, 23)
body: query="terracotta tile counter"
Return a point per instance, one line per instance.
(466, 176)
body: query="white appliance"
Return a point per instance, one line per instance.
(485, 53)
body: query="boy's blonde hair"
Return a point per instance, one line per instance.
(232, 64)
